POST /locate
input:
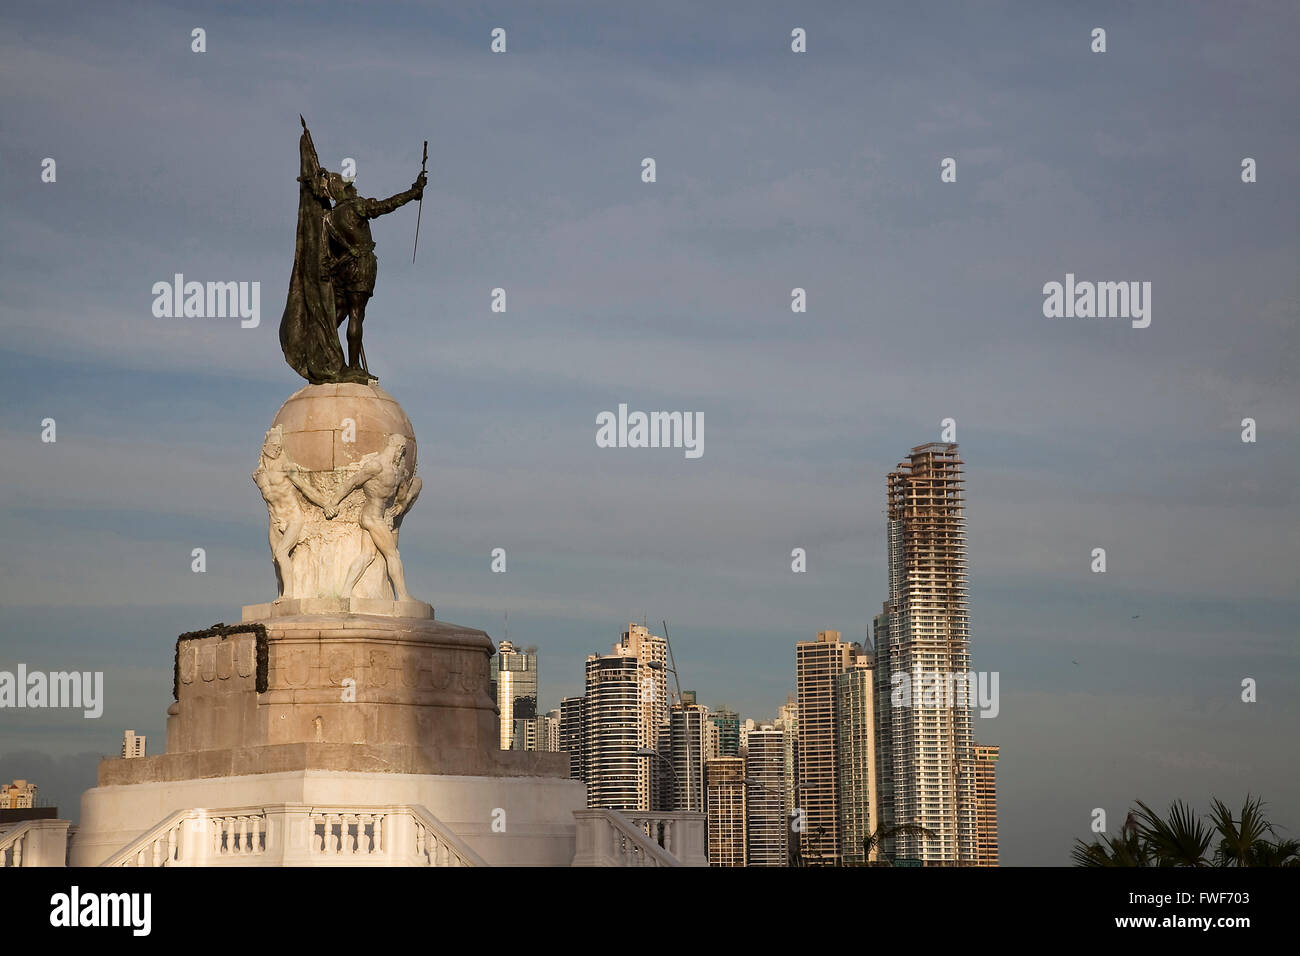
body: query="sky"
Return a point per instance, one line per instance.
(775, 170)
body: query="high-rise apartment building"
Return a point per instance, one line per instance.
(572, 737)
(553, 718)
(746, 726)
(133, 744)
(616, 776)
(686, 753)
(514, 674)
(818, 665)
(985, 771)
(767, 813)
(19, 795)
(787, 721)
(538, 733)
(728, 723)
(626, 712)
(855, 731)
(884, 732)
(929, 634)
(712, 740)
(725, 778)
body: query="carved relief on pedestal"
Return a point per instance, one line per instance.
(379, 665)
(225, 660)
(338, 476)
(442, 676)
(473, 675)
(188, 664)
(296, 667)
(246, 658)
(340, 666)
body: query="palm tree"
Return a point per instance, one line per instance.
(871, 842)
(1182, 839)
(1123, 850)
(1238, 838)
(1281, 853)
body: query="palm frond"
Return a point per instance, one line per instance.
(1239, 837)
(1179, 840)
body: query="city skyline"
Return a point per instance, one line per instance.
(819, 171)
(884, 750)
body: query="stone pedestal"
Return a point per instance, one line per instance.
(342, 692)
(370, 713)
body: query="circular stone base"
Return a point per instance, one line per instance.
(292, 607)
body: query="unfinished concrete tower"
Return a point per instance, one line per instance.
(930, 747)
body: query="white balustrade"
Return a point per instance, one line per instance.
(296, 835)
(41, 842)
(612, 838)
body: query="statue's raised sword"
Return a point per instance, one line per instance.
(420, 212)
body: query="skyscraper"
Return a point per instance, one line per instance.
(929, 633)
(616, 777)
(746, 725)
(514, 674)
(686, 743)
(626, 712)
(728, 723)
(818, 664)
(986, 805)
(572, 738)
(766, 824)
(884, 731)
(855, 726)
(538, 733)
(787, 721)
(725, 777)
(712, 740)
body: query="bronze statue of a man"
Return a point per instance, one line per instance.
(334, 269)
(352, 264)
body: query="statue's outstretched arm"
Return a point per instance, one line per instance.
(374, 208)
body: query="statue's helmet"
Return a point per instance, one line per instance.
(339, 188)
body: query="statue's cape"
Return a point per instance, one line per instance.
(308, 329)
